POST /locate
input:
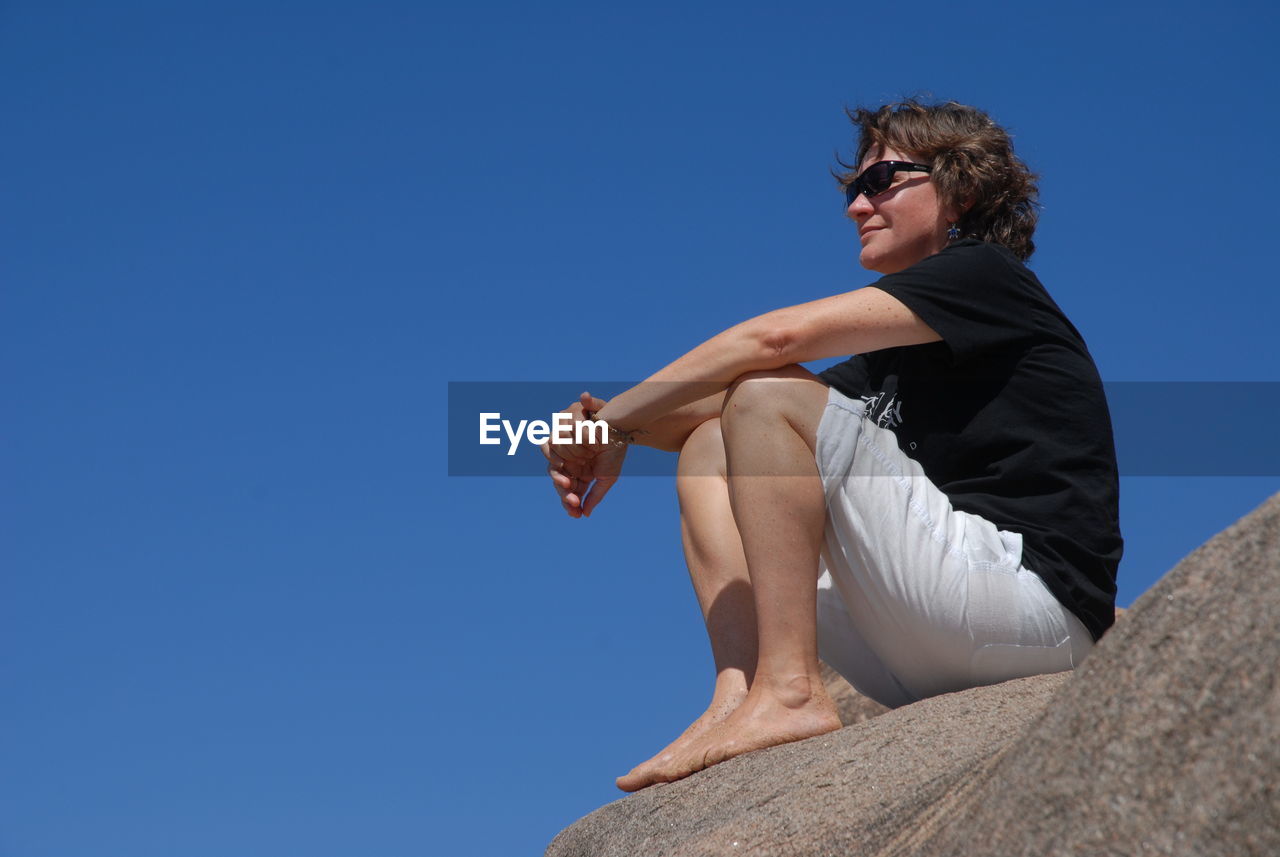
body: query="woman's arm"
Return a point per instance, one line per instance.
(669, 431)
(853, 323)
(676, 399)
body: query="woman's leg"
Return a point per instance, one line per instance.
(769, 424)
(717, 566)
(718, 570)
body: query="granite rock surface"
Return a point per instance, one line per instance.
(1165, 741)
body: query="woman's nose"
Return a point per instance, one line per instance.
(859, 207)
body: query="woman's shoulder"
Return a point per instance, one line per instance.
(969, 267)
(977, 251)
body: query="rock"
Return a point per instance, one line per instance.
(1165, 741)
(826, 795)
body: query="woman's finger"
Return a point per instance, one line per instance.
(590, 402)
(599, 489)
(568, 487)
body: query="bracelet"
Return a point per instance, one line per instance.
(618, 437)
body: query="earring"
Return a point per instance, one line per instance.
(953, 233)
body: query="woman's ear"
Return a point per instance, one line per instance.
(953, 213)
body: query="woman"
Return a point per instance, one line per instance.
(949, 493)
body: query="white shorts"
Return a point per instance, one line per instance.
(916, 598)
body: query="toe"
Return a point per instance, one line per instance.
(634, 781)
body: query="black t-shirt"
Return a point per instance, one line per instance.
(1006, 415)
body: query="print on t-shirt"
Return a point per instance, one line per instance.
(887, 412)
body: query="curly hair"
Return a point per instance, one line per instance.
(974, 167)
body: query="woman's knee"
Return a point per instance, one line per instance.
(749, 383)
(703, 452)
(767, 388)
(790, 393)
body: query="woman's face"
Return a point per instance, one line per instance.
(902, 225)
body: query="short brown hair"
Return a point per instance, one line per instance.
(973, 162)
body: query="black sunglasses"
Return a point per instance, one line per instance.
(877, 178)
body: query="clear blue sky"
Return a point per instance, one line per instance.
(246, 246)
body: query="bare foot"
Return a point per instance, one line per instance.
(770, 715)
(769, 718)
(648, 772)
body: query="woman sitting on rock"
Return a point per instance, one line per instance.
(936, 513)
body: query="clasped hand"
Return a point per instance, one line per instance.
(583, 473)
